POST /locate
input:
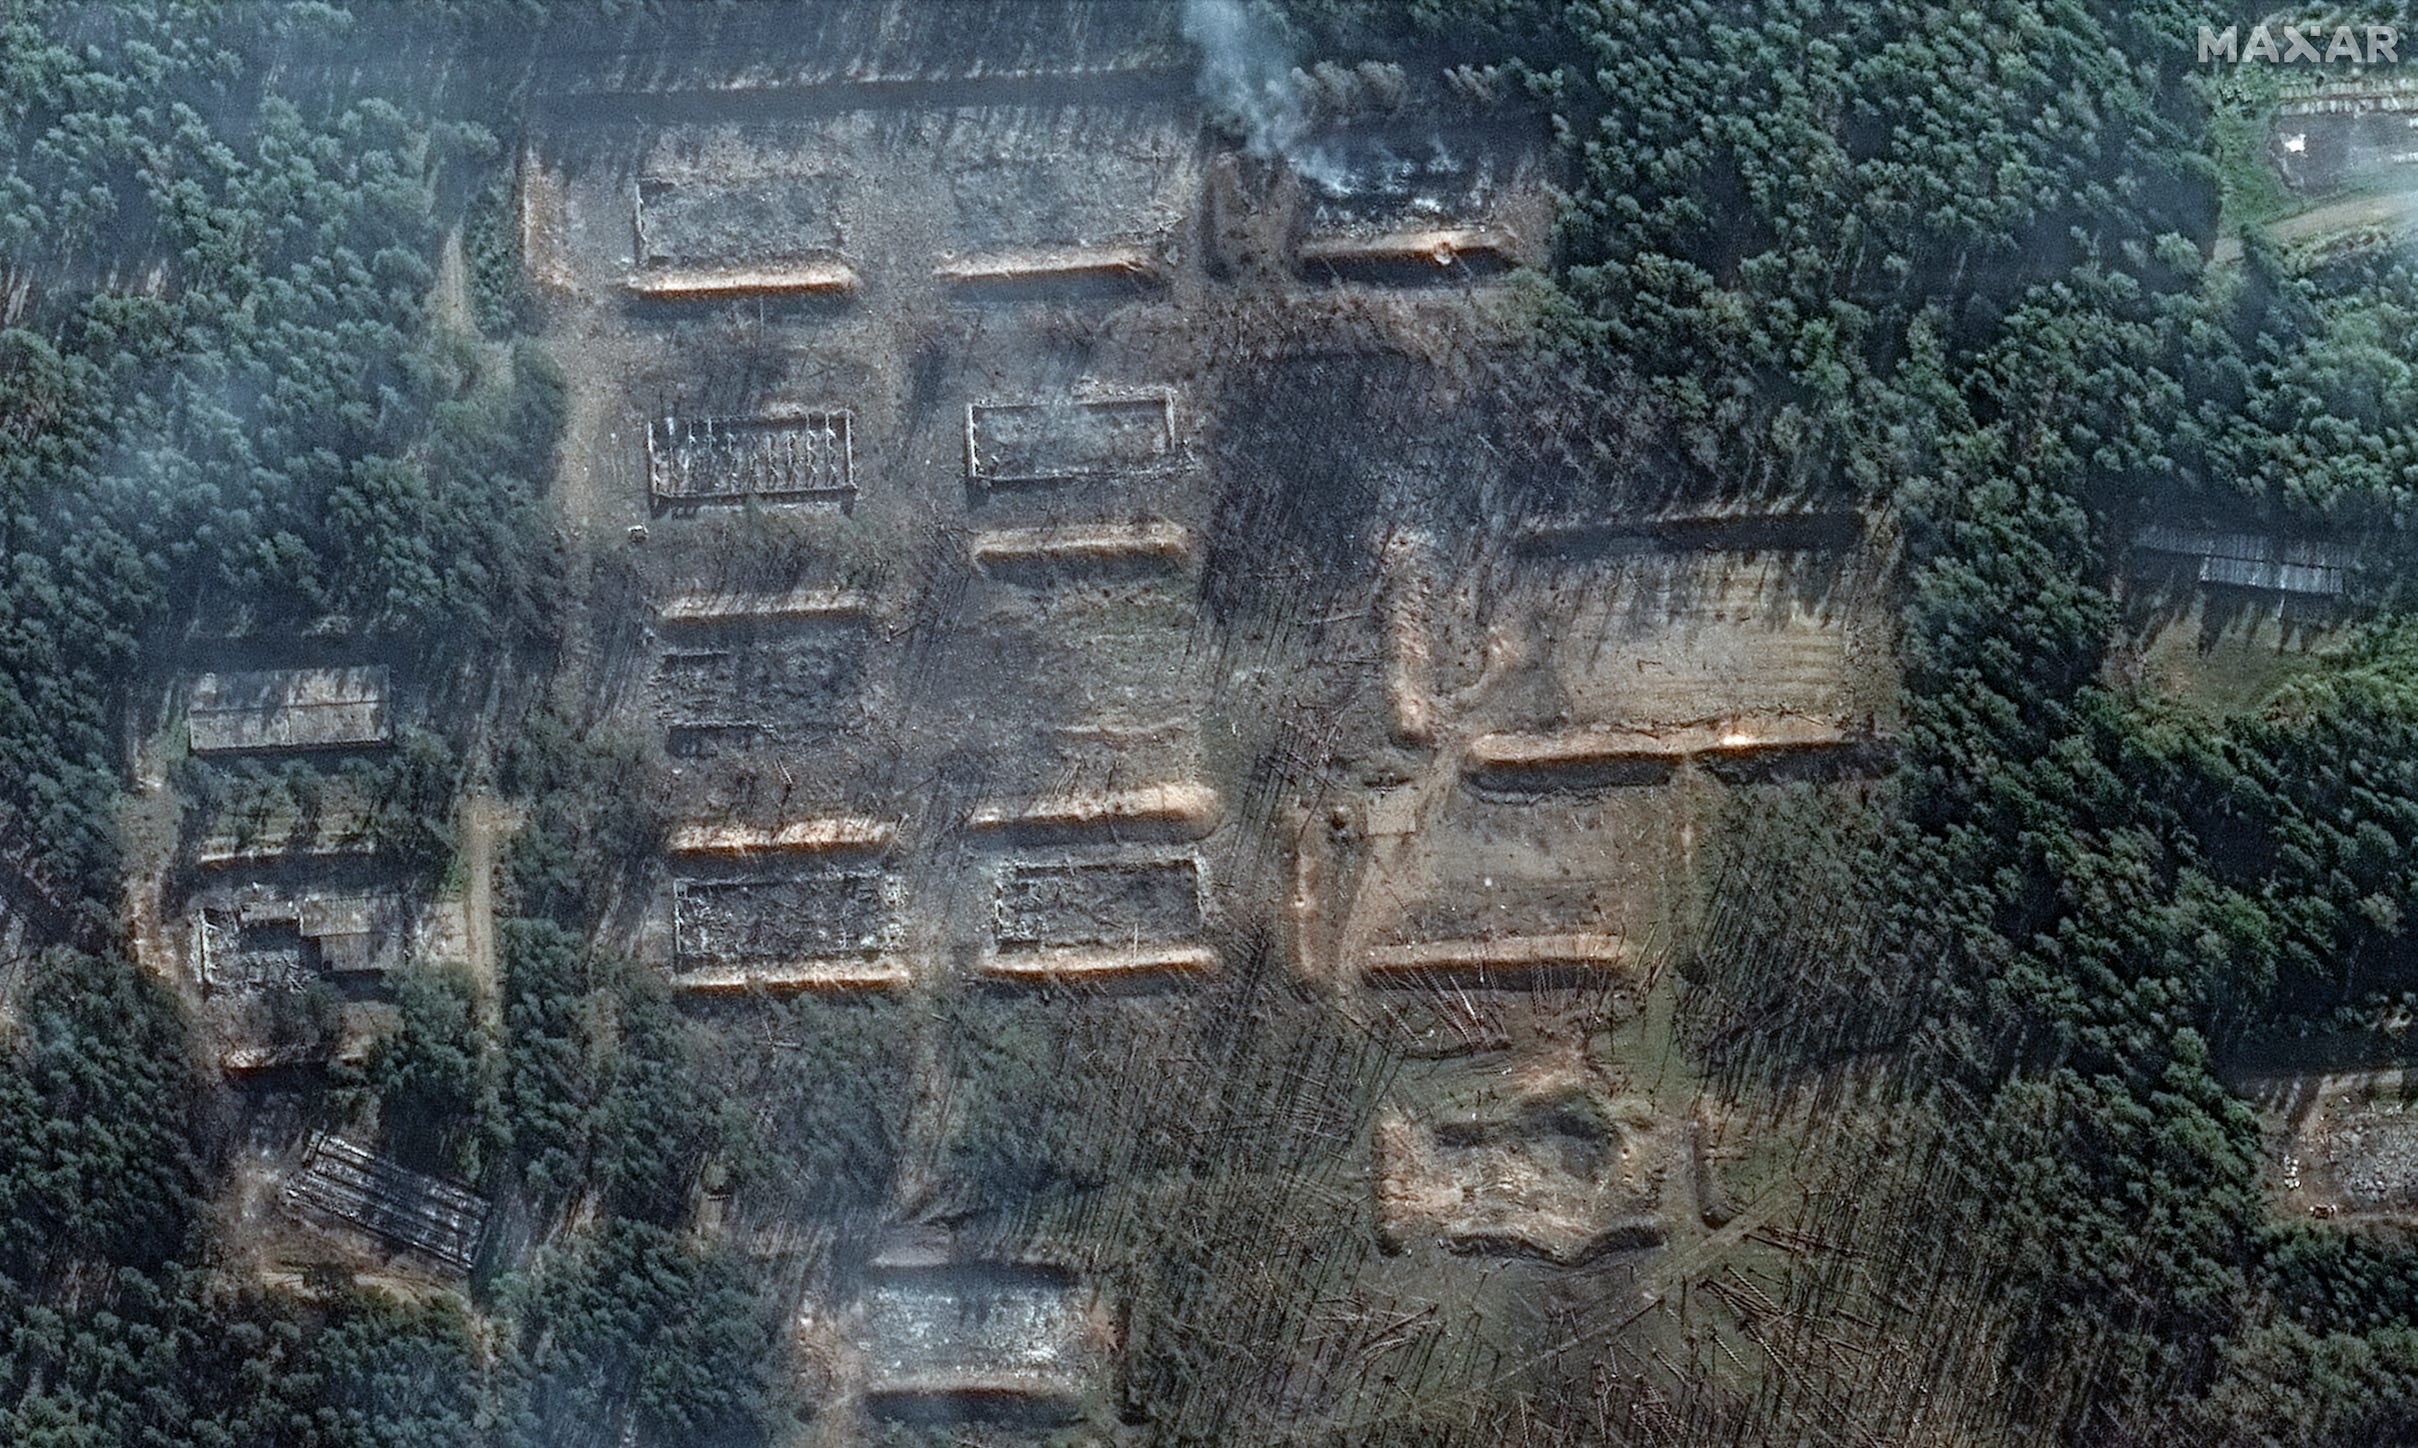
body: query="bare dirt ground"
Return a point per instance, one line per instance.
(2347, 219)
(2354, 213)
(453, 287)
(1661, 639)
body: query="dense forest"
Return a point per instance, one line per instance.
(232, 406)
(1948, 261)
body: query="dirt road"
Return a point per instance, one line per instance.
(485, 822)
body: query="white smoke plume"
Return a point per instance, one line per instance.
(1247, 73)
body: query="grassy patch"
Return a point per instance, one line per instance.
(2241, 107)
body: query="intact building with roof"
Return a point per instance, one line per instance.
(2253, 560)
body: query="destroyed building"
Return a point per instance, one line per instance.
(284, 943)
(344, 1184)
(1559, 1174)
(927, 1334)
(288, 709)
(1099, 582)
(722, 459)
